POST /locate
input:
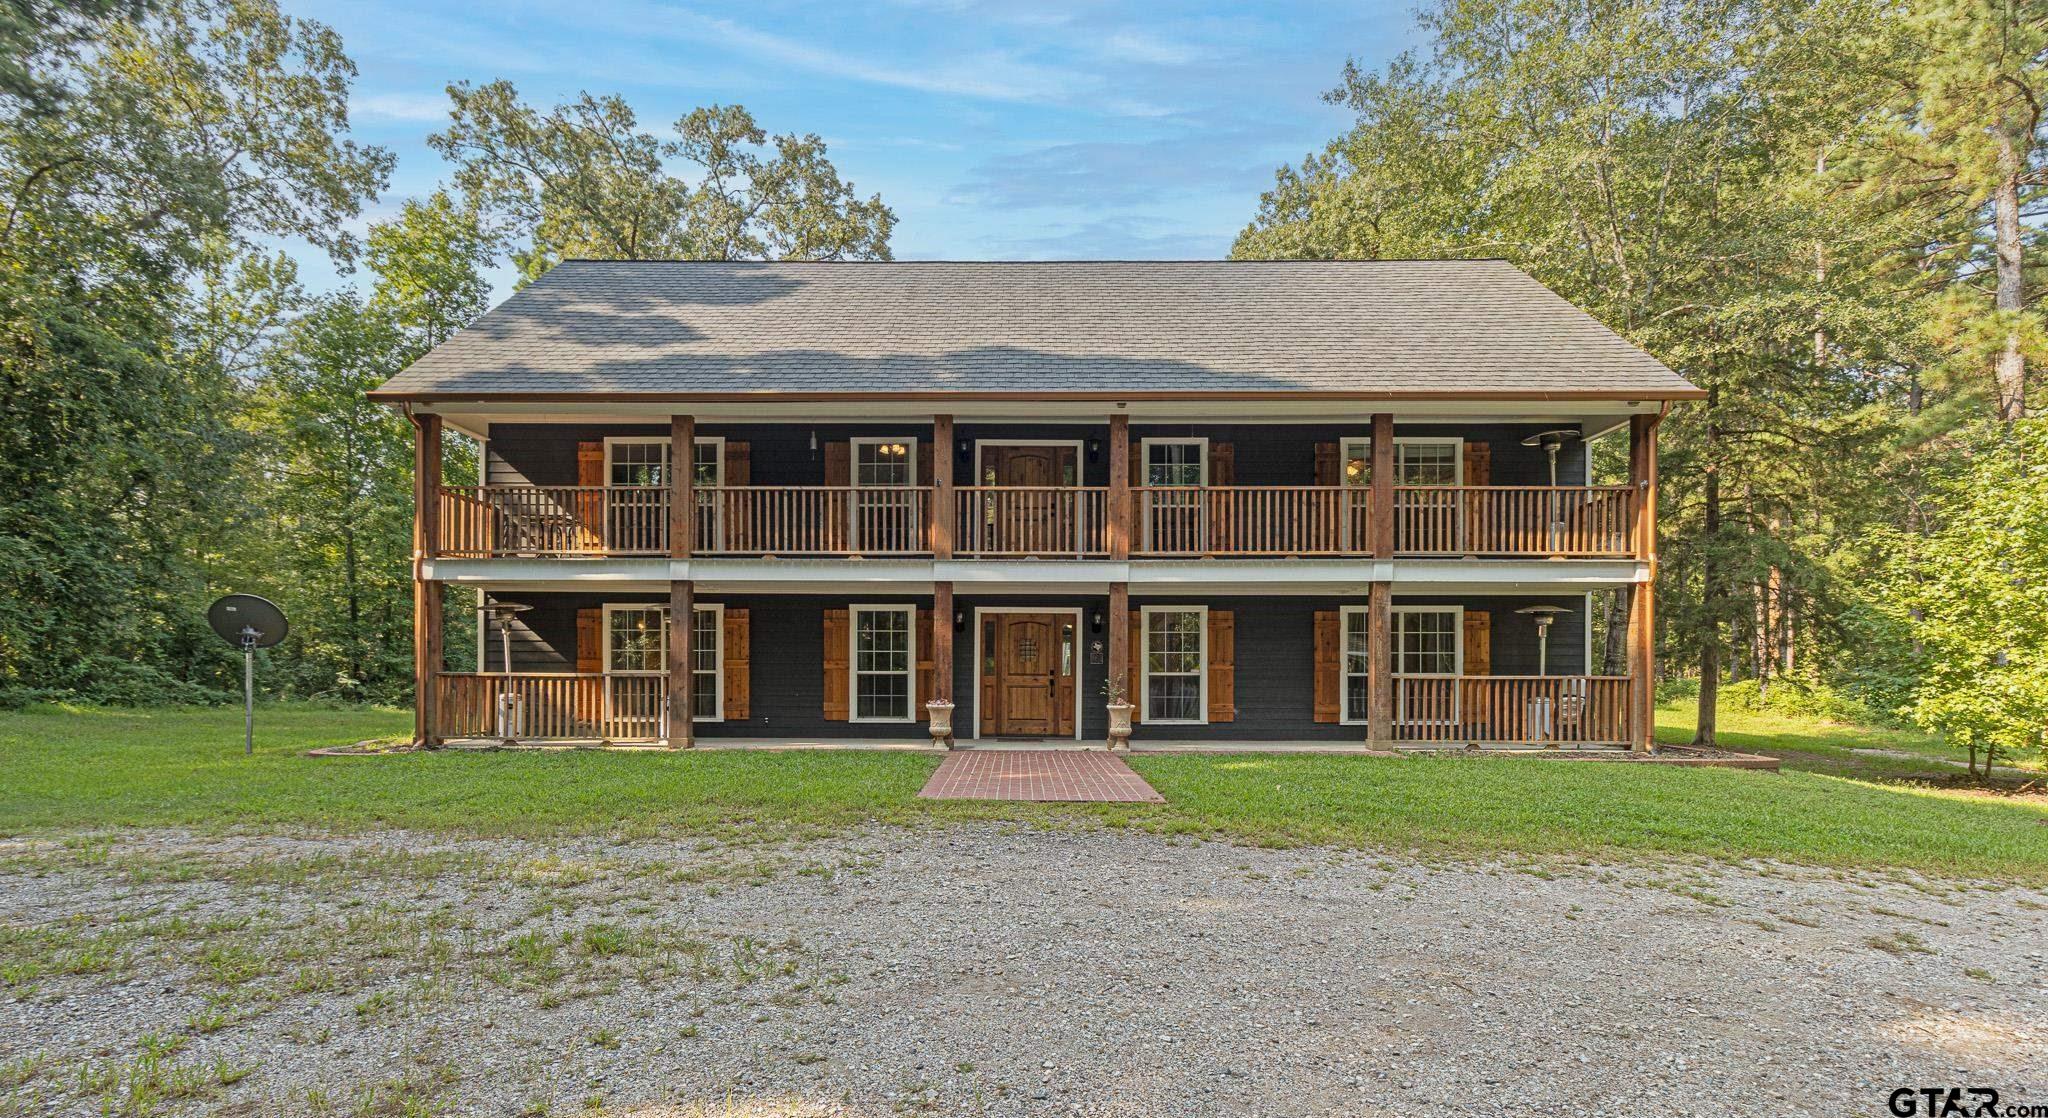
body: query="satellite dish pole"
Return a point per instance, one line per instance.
(249, 623)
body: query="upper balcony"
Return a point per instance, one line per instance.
(1038, 522)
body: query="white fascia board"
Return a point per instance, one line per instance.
(1560, 574)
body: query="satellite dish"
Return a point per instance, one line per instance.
(247, 621)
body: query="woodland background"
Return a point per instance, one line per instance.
(1824, 213)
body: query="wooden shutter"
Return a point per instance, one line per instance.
(1137, 457)
(739, 463)
(1478, 642)
(1478, 464)
(837, 644)
(590, 503)
(1222, 464)
(589, 640)
(839, 463)
(1329, 464)
(1329, 666)
(739, 683)
(921, 692)
(927, 464)
(1137, 664)
(1222, 666)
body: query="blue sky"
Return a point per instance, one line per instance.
(1056, 130)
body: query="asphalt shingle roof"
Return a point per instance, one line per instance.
(1395, 328)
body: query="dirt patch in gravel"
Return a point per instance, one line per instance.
(987, 970)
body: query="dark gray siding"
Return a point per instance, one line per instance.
(545, 454)
(1275, 657)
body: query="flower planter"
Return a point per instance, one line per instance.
(941, 713)
(1120, 726)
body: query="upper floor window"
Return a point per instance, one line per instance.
(1176, 462)
(1416, 461)
(644, 461)
(884, 463)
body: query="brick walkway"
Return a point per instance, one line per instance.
(1038, 774)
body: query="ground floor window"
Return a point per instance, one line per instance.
(1357, 689)
(1426, 640)
(636, 643)
(884, 658)
(1174, 686)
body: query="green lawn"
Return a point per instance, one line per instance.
(66, 769)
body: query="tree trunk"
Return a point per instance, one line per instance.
(1614, 657)
(2011, 372)
(1710, 585)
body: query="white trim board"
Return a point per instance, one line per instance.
(1080, 655)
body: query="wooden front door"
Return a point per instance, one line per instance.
(1028, 664)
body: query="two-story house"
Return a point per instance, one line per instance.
(1300, 501)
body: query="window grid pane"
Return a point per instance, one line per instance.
(639, 639)
(1173, 666)
(639, 464)
(1173, 464)
(1426, 463)
(882, 464)
(882, 663)
(1426, 643)
(1356, 689)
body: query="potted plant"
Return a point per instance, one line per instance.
(941, 711)
(1120, 709)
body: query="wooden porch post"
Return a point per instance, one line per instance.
(1379, 616)
(943, 514)
(942, 645)
(682, 486)
(1119, 495)
(1379, 665)
(1642, 612)
(426, 595)
(682, 617)
(1119, 622)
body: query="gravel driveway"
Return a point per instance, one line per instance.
(989, 970)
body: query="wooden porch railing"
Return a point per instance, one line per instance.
(1249, 520)
(484, 521)
(559, 707)
(813, 520)
(1566, 520)
(479, 521)
(1519, 710)
(996, 521)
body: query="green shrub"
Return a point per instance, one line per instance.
(1800, 699)
(124, 683)
(1678, 690)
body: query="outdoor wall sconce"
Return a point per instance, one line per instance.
(963, 448)
(1094, 449)
(1095, 621)
(959, 620)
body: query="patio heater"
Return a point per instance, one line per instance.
(1542, 711)
(509, 701)
(1552, 442)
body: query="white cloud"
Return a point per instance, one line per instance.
(411, 107)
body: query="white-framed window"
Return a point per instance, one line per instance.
(1417, 461)
(636, 643)
(1429, 640)
(1175, 462)
(643, 460)
(884, 463)
(1175, 687)
(883, 663)
(1356, 667)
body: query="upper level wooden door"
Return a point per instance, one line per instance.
(1028, 675)
(1040, 522)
